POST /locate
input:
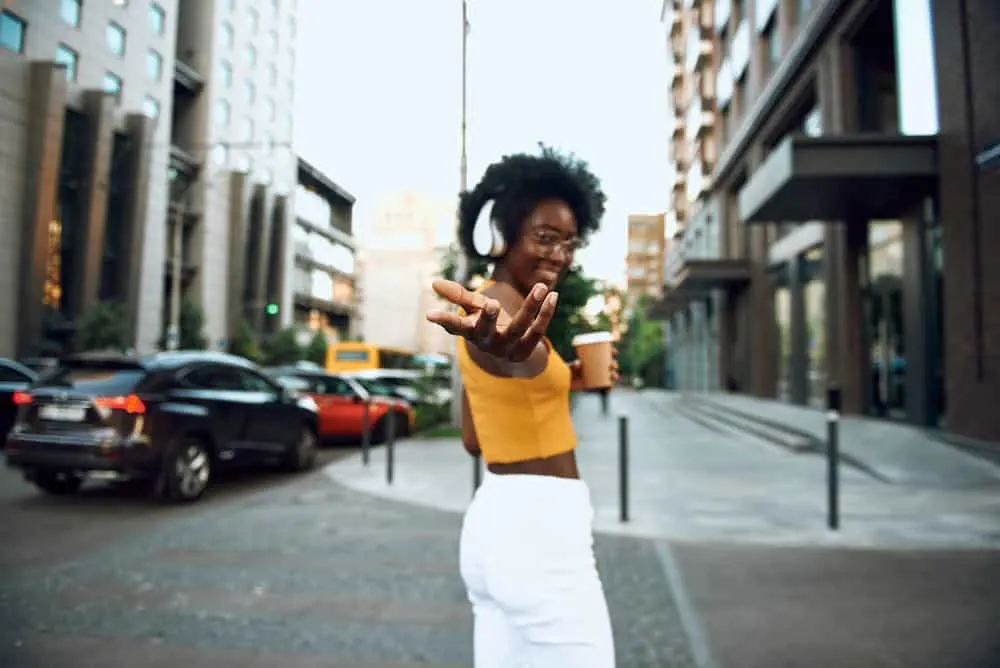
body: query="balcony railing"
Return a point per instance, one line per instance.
(700, 119)
(699, 49)
(740, 49)
(724, 84)
(697, 180)
(763, 11)
(723, 10)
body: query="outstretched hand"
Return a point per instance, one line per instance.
(489, 327)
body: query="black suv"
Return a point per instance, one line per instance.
(171, 419)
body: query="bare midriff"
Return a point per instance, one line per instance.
(562, 465)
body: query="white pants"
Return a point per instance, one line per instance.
(527, 558)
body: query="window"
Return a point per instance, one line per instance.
(291, 27)
(69, 11)
(251, 56)
(113, 84)
(12, 30)
(272, 41)
(266, 176)
(246, 129)
(220, 154)
(157, 19)
(151, 107)
(69, 58)
(115, 36)
(226, 34)
(272, 75)
(772, 40)
(226, 74)
(274, 7)
(244, 163)
(270, 110)
(252, 382)
(222, 113)
(249, 92)
(254, 20)
(154, 65)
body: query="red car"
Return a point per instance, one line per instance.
(342, 402)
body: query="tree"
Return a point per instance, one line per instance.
(244, 342)
(102, 327)
(316, 351)
(641, 352)
(192, 326)
(281, 348)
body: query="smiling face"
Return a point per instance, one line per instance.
(544, 248)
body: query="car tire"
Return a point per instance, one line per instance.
(301, 455)
(57, 483)
(187, 470)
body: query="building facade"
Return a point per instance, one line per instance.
(84, 188)
(644, 256)
(324, 283)
(401, 256)
(134, 129)
(850, 201)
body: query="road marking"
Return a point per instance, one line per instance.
(690, 620)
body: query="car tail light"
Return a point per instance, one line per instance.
(131, 404)
(21, 398)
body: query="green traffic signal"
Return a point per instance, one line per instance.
(272, 309)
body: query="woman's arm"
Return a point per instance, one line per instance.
(469, 437)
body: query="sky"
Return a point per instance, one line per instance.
(378, 98)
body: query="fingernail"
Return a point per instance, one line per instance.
(538, 291)
(555, 298)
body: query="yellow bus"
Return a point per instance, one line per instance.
(359, 356)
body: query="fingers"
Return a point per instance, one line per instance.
(453, 323)
(485, 328)
(527, 314)
(458, 295)
(527, 342)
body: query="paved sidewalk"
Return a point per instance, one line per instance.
(899, 452)
(690, 483)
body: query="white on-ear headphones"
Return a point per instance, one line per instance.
(498, 245)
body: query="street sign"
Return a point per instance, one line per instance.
(989, 158)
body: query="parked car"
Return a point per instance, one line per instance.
(341, 401)
(170, 419)
(14, 377)
(413, 386)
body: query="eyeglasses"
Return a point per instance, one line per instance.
(549, 241)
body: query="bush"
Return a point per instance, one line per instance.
(244, 342)
(281, 348)
(316, 350)
(102, 327)
(429, 416)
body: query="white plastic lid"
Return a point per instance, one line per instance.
(592, 337)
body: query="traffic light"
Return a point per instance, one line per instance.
(271, 309)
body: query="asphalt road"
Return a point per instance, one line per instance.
(296, 571)
(275, 571)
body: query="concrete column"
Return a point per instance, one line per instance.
(47, 102)
(279, 264)
(239, 211)
(258, 265)
(139, 129)
(920, 314)
(798, 354)
(88, 253)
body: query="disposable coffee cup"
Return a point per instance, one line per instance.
(594, 352)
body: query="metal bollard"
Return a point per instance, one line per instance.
(623, 466)
(833, 399)
(390, 446)
(604, 402)
(366, 433)
(477, 472)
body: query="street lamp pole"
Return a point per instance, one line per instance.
(461, 262)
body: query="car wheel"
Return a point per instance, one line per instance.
(301, 455)
(187, 470)
(57, 482)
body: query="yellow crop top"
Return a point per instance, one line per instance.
(518, 419)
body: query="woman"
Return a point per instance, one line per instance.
(526, 547)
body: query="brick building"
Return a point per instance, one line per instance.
(848, 208)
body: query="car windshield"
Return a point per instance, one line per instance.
(376, 387)
(95, 379)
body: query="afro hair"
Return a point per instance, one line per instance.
(517, 183)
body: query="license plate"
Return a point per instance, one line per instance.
(59, 413)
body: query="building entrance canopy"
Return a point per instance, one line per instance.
(840, 177)
(674, 300)
(702, 275)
